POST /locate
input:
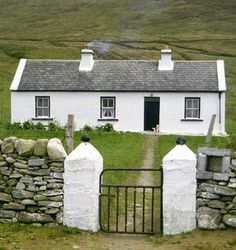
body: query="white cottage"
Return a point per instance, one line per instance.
(178, 97)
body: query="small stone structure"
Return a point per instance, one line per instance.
(179, 190)
(81, 191)
(31, 181)
(216, 193)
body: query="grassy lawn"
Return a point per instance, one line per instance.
(16, 236)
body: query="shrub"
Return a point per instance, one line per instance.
(52, 126)
(28, 125)
(87, 128)
(14, 126)
(40, 126)
(108, 127)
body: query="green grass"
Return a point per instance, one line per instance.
(194, 29)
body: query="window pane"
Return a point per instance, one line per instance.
(189, 103)
(45, 102)
(45, 112)
(40, 112)
(110, 102)
(188, 113)
(104, 102)
(40, 102)
(195, 113)
(195, 103)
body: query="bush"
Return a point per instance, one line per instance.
(28, 125)
(108, 127)
(40, 126)
(14, 126)
(52, 126)
(87, 128)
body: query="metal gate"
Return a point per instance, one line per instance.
(130, 207)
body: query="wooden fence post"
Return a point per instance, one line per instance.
(69, 133)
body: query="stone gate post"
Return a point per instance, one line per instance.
(81, 187)
(179, 190)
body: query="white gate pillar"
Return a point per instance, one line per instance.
(81, 187)
(179, 190)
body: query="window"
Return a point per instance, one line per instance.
(192, 108)
(42, 106)
(108, 107)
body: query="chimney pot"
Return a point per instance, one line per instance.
(86, 62)
(166, 62)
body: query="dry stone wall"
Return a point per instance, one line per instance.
(216, 193)
(31, 181)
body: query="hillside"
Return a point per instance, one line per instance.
(130, 29)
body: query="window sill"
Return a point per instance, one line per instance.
(42, 119)
(191, 120)
(108, 119)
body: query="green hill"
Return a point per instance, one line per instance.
(132, 29)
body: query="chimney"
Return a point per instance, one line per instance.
(86, 62)
(166, 63)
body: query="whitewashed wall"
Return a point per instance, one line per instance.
(129, 110)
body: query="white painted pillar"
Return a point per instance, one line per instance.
(179, 190)
(81, 187)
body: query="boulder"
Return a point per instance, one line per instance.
(208, 218)
(216, 204)
(25, 147)
(13, 206)
(22, 194)
(230, 220)
(34, 218)
(7, 145)
(7, 214)
(40, 148)
(215, 189)
(5, 197)
(55, 150)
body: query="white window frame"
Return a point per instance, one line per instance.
(191, 109)
(42, 108)
(106, 109)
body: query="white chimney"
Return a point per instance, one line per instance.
(166, 63)
(86, 62)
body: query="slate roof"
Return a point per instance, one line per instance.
(118, 75)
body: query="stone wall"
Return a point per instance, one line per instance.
(216, 193)
(31, 181)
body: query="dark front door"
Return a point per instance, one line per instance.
(151, 112)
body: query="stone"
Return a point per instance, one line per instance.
(36, 224)
(22, 194)
(7, 214)
(230, 220)
(50, 204)
(7, 146)
(54, 185)
(233, 211)
(234, 200)
(28, 202)
(34, 218)
(59, 218)
(43, 188)
(38, 178)
(200, 203)
(233, 162)
(50, 225)
(20, 165)
(58, 170)
(12, 182)
(40, 148)
(40, 197)
(226, 198)
(36, 162)
(57, 175)
(32, 209)
(40, 183)
(225, 164)
(32, 187)
(44, 166)
(215, 189)
(216, 204)
(25, 147)
(232, 185)
(232, 180)
(52, 211)
(54, 192)
(232, 174)
(20, 186)
(55, 150)
(208, 218)
(3, 164)
(215, 151)
(8, 189)
(55, 198)
(222, 226)
(57, 165)
(5, 197)
(26, 180)
(10, 160)
(221, 176)
(222, 183)
(15, 176)
(40, 172)
(223, 211)
(207, 195)
(201, 162)
(204, 175)
(13, 206)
